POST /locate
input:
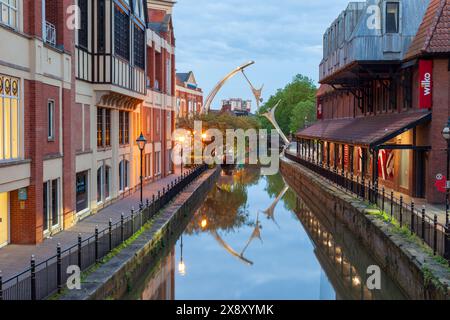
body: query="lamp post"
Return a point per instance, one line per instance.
(204, 137)
(181, 265)
(446, 135)
(141, 142)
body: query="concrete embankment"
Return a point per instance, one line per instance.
(114, 278)
(418, 274)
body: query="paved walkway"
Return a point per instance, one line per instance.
(16, 258)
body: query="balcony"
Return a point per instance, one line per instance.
(50, 34)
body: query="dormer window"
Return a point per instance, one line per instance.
(392, 17)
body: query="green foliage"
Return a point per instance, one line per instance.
(297, 102)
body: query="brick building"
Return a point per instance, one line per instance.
(189, 95)
(384, 96)
(72, 103)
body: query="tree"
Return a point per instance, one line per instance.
(297, 101)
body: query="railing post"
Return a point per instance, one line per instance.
(1, 286)
(110, 234)
(435, 222)
(363, 188)
(423, 223)
(122, 239)
(383, 195)
(132, 220)
(412, 216)
(33, 277)
(58, 268)
(96, 244)
(79, 250)
(401, 211)
(392, 204)
(447, 243)
(153, 212)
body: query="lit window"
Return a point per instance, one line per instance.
(103, 127)
(8, 10)
(9, 118)
(392, 17)
(124, 127)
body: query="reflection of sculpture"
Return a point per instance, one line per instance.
(255, 234)
(270, 115)
(212, 95)
(270, 211)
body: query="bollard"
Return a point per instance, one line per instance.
(33, 277)
(58, 268)
(96, 244)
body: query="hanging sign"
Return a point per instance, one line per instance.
(319, 110)
(441, 183)
(426, 84)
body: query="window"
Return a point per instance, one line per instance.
(8, 10)
(101, 24)
(50, 205)
(81, 191)
(168, 76)
(158, 162)
(103, 183)
(83, 31)
(124, 127)
(147, 167)
(392, 17)
(51, 120)
(169, 125)
(139, 47)
(123, 175)
(9, 118)
(103, 127)
(121, 33)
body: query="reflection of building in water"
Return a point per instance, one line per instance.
(344, 266)
(326, 289)
(161, 285)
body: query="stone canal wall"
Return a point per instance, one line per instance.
(114, 279)
(402, 260)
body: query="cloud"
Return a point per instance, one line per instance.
(284, 37)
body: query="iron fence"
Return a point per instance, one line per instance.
(405, 215)
(43, 279)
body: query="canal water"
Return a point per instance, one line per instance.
(254, 238)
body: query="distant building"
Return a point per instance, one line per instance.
(237, 105)
(189, 95)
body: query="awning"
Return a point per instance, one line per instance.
(368, 131)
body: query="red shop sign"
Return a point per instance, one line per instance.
(426, 84)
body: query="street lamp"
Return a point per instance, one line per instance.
(204, 137)
(141, 142)
(181, 139)
(446, 135)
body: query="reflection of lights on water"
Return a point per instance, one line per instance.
(356, 281)
(204, 223)
(182, 268)
(330, 244)
(339, 259)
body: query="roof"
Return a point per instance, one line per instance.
(183, 77)
(324, 89)
(433, 35)
(367, 131)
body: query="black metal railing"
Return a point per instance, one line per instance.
(405, 215)
(43, 279)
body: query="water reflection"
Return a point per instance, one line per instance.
(253, 238)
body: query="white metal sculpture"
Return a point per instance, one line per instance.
(220, 84)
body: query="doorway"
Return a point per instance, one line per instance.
(4, 228)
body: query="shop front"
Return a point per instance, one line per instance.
(385, 150)
(4, 219)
